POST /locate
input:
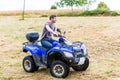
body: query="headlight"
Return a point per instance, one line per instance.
(68, 43)
(83, 47)
(67, 54)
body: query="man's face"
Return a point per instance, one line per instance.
(53, 20)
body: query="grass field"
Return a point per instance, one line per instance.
(100, 34)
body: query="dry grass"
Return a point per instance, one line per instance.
(40, 13)
(100, 34)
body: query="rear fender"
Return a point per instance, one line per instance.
(34, 50)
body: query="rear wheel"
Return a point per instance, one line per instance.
(29, 64)
(59, 69)
(82, 67)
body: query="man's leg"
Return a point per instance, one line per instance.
(46, 44)
(51, 41)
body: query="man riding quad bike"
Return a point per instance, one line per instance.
(58, 55)
(58, 59)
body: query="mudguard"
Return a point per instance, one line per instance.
(59, 50)
(55, 49)
(33, 49)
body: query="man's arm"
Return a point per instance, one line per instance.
(49, 29)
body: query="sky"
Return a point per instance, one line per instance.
(6, 5)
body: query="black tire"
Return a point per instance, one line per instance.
(82, 67)
(36, 68)
(59, 69)
(29, 64)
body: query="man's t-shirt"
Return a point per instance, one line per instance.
(46, 34)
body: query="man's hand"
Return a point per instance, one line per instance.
(58, 30)
(55, 35)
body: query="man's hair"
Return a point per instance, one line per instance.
(52, 16)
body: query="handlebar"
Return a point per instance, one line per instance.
(25, 43)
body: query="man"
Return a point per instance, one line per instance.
(48, 30)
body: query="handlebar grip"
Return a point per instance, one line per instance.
(59, 35)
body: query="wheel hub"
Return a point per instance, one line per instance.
(27, 65)
(58, 70)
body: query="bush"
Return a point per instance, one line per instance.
(99, 12)
(53, 7)
(114, 13)
(102, 6)
(44, 15)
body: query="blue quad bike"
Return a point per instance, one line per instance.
(58, 59)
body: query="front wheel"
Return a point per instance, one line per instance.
(59, 69)
(29, 64)
(82, 67)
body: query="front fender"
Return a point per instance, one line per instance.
(55, 50)
(58, 54)
(54, 54)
